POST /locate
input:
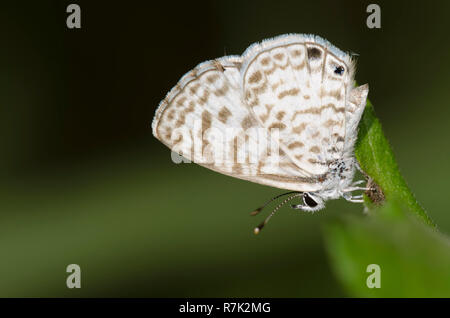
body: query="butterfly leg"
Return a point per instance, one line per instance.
(354, 187)
(358, 182)
(359, 167)
(353, 198)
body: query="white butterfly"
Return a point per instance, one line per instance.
(301, 88)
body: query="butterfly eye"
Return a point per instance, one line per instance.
(339, 70)
(309, 201)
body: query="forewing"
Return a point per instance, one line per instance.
(291, 85)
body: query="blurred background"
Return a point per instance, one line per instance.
(83, 180)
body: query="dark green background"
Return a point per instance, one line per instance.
(83, 180)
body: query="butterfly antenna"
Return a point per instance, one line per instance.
(255, 212)
(259, 227)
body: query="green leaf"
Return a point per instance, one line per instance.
(376, 158)
(414, 259)
(396, 234)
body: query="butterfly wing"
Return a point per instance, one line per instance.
(204, 119)
(353, 112)
(299, 84)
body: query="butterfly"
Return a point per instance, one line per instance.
(283, 114)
